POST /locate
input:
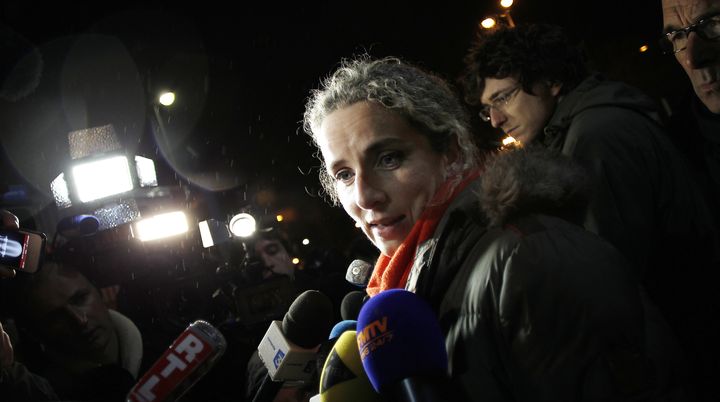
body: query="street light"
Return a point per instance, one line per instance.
(493, 21)
(167, 98)
(488, 23)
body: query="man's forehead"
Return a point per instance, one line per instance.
(60, 282)
(686, 11)
(493, 86)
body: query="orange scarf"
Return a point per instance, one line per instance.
(393, 272)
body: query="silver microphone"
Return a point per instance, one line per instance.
(358, 273)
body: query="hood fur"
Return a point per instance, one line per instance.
(527, 180)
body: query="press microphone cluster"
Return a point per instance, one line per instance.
(288, 349)
(402, 348)
(190, 357)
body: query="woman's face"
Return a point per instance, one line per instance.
(385, 170)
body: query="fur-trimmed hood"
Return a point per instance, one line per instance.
(527, 180)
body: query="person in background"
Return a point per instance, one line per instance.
(17, 383)
(531, 82)
(692, 36)
(533, 307)
(272, 248)
(86, 351)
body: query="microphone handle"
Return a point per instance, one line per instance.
(420, 389)
(268, 390)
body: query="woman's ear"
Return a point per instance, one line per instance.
(453, 165)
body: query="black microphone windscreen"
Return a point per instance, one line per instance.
(351, 305)
(309, 319)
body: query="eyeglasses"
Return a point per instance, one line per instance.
(498, 103)
(676, 41)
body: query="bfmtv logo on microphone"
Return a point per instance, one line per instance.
(373, 336)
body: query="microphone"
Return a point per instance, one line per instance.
(288, 349)
(402, 347)
(343, 378)
(358, 273)
(341, 327)
(190, 357)
(351, 304)
(326, 347)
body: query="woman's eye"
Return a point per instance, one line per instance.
(390, 160)
(343, 175)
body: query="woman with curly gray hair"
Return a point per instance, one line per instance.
(520, 293)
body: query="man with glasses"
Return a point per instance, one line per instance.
(531, 82)
(692, 35)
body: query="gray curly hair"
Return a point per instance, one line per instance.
(423, 98)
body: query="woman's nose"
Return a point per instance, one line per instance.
(368, 191)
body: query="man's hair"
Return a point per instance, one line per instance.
(425, 100)
(17, 292)
(529, 53)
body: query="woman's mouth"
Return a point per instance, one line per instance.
(386, 228)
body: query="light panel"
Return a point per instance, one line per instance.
(102, 178)
(162, 226)
(146, 172)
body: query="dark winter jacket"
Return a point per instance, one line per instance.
(643, 200)
(17, 384)
(695, 131)
(537, 308)
(646, 202)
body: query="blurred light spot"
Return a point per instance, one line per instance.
(506, 3)
(167, 98)
(162, 226)
(643, 48)
(487, 23)
(306, 241)
(102, 178)
(242, 225)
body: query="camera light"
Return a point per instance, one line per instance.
(146, 172)
(162, 226)
(60, 191)
(242, 225)
(213, 232)
(102, 178)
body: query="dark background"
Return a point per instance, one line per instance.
(234, 141)
(241, 72)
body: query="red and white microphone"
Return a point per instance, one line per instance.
(190, 356)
